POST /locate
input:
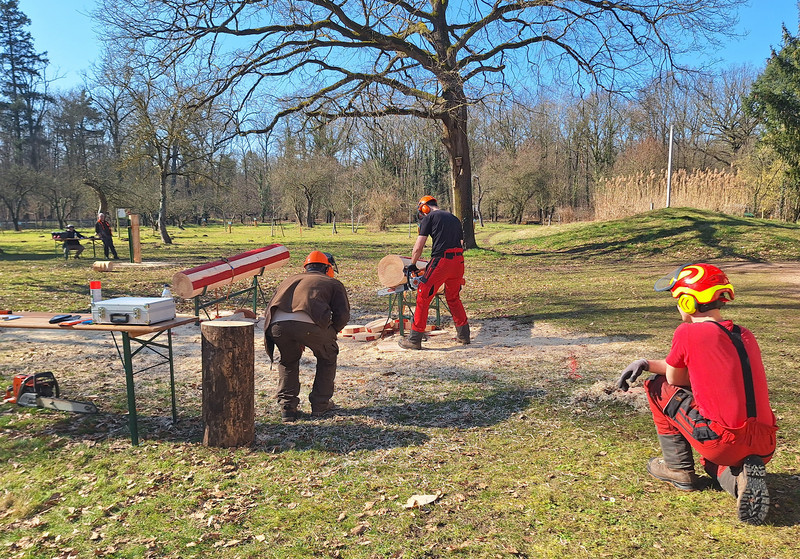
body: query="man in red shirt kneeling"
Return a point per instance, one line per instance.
(710, 394)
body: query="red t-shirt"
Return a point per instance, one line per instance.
(715, 372)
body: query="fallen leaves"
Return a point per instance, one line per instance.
(417, 501)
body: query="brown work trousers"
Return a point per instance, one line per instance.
(291, 336)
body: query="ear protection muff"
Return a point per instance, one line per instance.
(687, 304)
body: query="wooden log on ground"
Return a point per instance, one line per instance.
(228, 383)
(103, 266)
(379, 325)
(365, 336)
(351, 329)
(390, 269)
(192, 282)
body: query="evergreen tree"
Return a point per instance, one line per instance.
(775, 99)
(20, 73)
(21, 109)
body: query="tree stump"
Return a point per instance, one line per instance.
(228, 383)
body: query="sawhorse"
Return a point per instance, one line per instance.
(403, 300)
(254, 288)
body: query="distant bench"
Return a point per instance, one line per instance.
(56, 235)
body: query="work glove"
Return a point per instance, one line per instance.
(631, 373)
(411, 268)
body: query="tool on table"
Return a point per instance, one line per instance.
(72, 321)
(40, 390)
(10, 316)
(63, 317)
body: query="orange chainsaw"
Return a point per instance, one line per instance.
(41, 390)
(413, 279)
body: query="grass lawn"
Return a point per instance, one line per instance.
(520, 462)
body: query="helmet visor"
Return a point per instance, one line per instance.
(667, 282)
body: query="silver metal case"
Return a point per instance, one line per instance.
(133, 310)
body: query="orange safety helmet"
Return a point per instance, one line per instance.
(424, 205)
(319, 261)
(697, 284)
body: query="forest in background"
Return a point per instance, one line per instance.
(134, 138)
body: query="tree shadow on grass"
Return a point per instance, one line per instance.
(347, 430)
(463, 413)
(784, 498)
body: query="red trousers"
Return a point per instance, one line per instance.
(676, 413)
(447, 270)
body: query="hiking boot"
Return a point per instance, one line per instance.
(752, 501)
(289, 414)
(322, 409)
(462, 334)
(414, 341)
(685, 480)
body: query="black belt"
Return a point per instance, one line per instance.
(452, 253)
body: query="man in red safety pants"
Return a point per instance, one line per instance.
(710, 393)
(445, 267)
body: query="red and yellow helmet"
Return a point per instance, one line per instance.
(320, 261)
(696, 284)
(423, 206)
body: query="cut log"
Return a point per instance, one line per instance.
(228, 361)
(103, 266)
(390, 269)
(192, 282)
(365, 336)
(378, 326)
(351, 329)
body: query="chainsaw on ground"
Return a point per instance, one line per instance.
(413, 279)
(41, 390)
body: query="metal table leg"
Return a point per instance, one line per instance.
(127, 361)
(172, 377)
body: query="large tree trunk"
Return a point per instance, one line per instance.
(456, 141)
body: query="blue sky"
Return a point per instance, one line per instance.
(64, 29)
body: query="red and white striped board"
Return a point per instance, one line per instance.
(192, 282)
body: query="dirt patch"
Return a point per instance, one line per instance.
(506, 357)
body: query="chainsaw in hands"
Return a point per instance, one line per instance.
(41, 390)
(413, 279)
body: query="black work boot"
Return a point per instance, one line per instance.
(752, 495)
(462, 334)
(288, 413)
(414, 341)
(677, 464)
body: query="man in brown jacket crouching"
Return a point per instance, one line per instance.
(307, 310)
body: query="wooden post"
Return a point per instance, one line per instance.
(228, 383)
(136, 245)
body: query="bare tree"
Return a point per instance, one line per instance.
(424, 58)
(721, 100)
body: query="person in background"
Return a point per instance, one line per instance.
(71, 242)
(103, 230)
(710, 394)
(446, 267)
(308, 310)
